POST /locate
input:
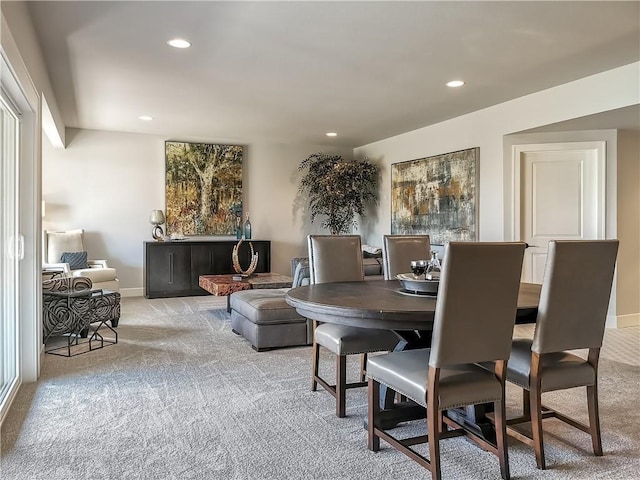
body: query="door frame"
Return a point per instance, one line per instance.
(600, 146)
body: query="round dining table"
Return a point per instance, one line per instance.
(383, 304)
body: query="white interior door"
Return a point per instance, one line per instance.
(560, 195)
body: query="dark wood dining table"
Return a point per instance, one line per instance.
(383, 304)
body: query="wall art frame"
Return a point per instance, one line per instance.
(203, 188)
(437, 196)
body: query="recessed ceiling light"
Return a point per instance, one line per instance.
(455, 83)
(146, 118)
(332, 134)
(179, 43)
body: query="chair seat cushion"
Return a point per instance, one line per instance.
(407, 372)
(344, 340)
(96, 275)
(265, 306)
(559, 370)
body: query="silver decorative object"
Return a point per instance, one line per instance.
(156, 219)
(418, 286)
(434, 269)
(236, 263)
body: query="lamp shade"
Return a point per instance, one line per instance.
(156, 217)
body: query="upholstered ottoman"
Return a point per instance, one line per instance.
(264, 317)
(267, 321)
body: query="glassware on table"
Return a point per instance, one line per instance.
(419, 267)
(434, 268)
(247, 228)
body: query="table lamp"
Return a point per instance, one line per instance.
(156, 219)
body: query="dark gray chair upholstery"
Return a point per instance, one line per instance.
(338, 258)
(571, 315)
(399, 250)
(478, 295)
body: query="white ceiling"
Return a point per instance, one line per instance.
(292, 71)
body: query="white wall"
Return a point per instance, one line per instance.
(486, 129)
(628, 220)
(19, 21)
(108, 183)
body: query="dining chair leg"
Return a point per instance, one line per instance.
(315, 357)
(363, 367)
(373, 413)
(526, 405)
(434, 442)
(592, 404)
(433, 423)
(535, 397)
(341, 381)
(500, 416)
(594, 419)
(501, 439)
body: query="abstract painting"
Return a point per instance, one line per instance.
(437, 196)
(203, 188)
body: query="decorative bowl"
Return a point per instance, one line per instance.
(418, 286)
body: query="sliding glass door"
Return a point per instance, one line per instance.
(10, 250)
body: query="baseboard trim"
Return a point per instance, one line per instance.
(132, 292)
(624, 321)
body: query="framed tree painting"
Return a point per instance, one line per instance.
(437, 196)
(203, 188)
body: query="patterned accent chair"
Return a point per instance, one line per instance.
(72, 314)
(65, 252)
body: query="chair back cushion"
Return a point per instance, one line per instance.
(477, 303)
(575, 295)
(399, 250)
(56, 243)
(335, 258)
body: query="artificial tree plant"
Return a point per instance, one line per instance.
(338, 189)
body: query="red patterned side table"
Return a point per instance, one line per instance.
(221, 285)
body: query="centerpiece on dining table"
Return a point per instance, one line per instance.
(424, 277)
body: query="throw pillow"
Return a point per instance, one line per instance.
(76, 260)
(302, 273)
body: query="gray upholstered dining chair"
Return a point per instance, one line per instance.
(445, 376)
(399, 250)
(338, 258)
(571, 315)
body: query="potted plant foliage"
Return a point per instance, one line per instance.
(338, 189)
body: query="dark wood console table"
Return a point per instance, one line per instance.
(380, 304)
(173, 268)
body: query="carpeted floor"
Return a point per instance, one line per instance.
(182, 397)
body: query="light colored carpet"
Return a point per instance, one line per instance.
(182, 397)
